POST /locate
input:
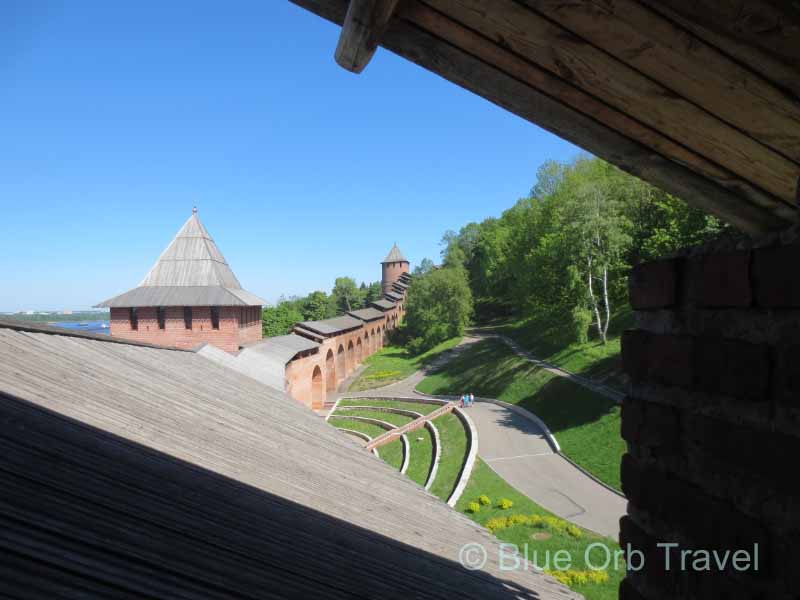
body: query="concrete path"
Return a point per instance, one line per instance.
(517, 449)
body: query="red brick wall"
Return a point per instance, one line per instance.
(228, 337)
(299, 377)
(712, 420)
(390, 272)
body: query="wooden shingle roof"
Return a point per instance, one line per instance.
(395, 255)
(136, 472)
(190, 272)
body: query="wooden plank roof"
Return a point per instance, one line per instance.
(332, 326)
(700, 98)
(395, 255)
(137, 472)
(190, 272)
(264, 361)
(383, 304)
(366, 314)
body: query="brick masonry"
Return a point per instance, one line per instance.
(337, 358)
(712, 419)
(391, 272)
(238, 326)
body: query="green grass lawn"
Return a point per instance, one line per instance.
(394, 363)
(420, 441)
(541, 538)
(550, 338)
(392, 453)
(454, 452)
(585, 423)
(451, 433)
(415, 406)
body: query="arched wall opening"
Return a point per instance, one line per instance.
(341, 367)
(350, 356)
(330, 372)
(317, 388)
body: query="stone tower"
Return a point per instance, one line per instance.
(394, 265)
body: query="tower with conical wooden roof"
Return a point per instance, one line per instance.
(190, 296)
(393, 267)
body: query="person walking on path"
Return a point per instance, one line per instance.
(471, 398)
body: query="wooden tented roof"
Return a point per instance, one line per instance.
(395, 255)
(190, 272)
(699, 97)
(136, 472)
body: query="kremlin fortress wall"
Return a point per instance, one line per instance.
(192, 300)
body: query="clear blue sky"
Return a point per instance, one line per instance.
(117, 118)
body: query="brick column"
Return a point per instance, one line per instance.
(712, 419)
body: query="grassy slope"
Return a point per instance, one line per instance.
(454, 452)
(393, 363)
(486, 481)
(421, 442)
(550, 338)
(392, 452)
(585, 423)
(415, 406)
(451, 433)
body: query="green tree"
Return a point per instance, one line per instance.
(374, 292)
(280, 319)
(317, 306)
(439, 307)
(425, 266)
(346, 295)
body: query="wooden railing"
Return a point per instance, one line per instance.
(393, 434)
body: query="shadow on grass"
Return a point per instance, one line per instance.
(490, 369)
(563, 404)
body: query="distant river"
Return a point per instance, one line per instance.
(87, 326)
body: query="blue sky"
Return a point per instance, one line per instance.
(117, 118)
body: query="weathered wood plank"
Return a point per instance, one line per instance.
(462, 68)
(156, 473)
(363, 25)
(783, 74)
(685, 64)
(539, 40)
(538, 78)
(772, 26)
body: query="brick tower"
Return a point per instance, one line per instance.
(393, 266)
(190, 296)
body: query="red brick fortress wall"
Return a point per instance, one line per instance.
(228, 337)
(712, 420)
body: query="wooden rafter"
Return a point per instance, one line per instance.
(361, 31)
(559, 73)
(782, 74)
(528, 34)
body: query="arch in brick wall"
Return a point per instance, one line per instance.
(317, 388)
(330, 372)
(350, 356)
(341, 367)
(359, 351)
(367, 341)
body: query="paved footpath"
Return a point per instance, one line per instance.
(517, 449)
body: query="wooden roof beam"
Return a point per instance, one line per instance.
(365, 22)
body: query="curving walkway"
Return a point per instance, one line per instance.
(516, 448)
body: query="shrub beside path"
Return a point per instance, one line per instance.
(516, 448)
